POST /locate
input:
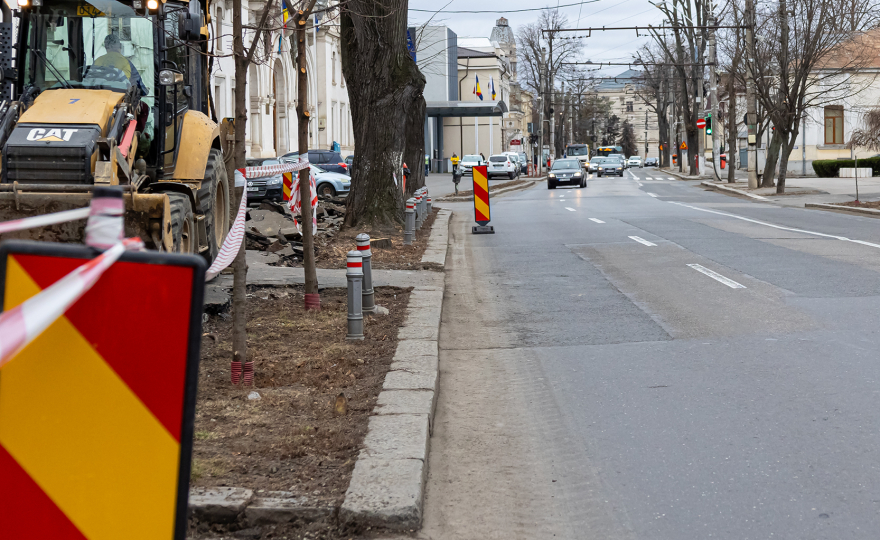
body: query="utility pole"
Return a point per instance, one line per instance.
(570, 115)
(713, 95)
(646, 130)
(751, 98)
(551, 93)
(543, 104)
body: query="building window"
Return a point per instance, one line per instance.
(333, 65)
(218, 27)
(629, 106)
(834, 124)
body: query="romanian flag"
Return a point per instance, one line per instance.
(285, 12)
(492, 87)
(477, 90)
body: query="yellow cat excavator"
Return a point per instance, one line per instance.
(107, 93)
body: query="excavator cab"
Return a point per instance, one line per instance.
(115, 93)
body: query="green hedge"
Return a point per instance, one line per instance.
(830, 168)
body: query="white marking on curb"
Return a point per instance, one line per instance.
(642, 241)
(717, 277)
(652, 194)
(570, 209)
(596, 220)
(780, 227)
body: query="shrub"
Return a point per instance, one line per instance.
(830, 168)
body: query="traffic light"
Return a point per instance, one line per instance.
(708, 124)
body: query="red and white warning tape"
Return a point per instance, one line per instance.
(21, 324)
(42, 221)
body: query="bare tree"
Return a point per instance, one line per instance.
(809, 55)
(538, 71)
(654, 89)
(384, 87)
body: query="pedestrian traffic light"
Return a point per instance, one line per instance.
(708, 124)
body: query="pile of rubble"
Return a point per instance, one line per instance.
(270, 228)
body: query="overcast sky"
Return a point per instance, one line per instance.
(602, 46)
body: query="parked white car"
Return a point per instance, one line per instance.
(634, 161)
(502, 164)
(470, 161)
(514, 156)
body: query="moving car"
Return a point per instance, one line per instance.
(470, 161)
(634, 161)
(566, 171)
(651, 162)
(326, 159)
(502, 164)
(579, 151)
(610, 165)
(593, 165)
(620, 157)
(270, 188)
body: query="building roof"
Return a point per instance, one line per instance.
(503, 34)
(860, 51)
(464, 52)
(476, 43)
(629, 76)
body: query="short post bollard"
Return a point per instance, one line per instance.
(363, 244)
(418, 210)
(355, 275)
(430, 206)
(409, 223)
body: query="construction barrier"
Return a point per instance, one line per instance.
(482, 214)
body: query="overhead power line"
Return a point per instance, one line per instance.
(501, 10)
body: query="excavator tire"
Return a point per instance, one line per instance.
(183, 224)
(214, 198)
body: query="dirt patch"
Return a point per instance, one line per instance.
(859, 204)
(331, 251)
(492, 187)
(292, 438)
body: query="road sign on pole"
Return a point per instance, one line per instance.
(96, 413)
(701, 123)
(482, 214)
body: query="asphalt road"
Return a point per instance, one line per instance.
(645, 359)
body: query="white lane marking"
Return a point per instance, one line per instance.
(652, 194)
(717, 277)
(670, 178)
(780, 227)
(596, 220)
(640, 184)
(642, 241)
(648, 178)
(570, 209)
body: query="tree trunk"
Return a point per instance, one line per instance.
(771, 160)
(414, 149)
(693, 148)
(239, 265)
(783, 161)
(731, 128)
(383, 84)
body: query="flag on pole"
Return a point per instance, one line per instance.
(477, 90)
(285, 13)
(492, 87)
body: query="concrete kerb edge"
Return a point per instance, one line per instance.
(735, 191)
(387, 490)
(403, 510)
(495, 193)
(848, 209)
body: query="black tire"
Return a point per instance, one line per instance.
(184, 237)
(599, 175)
(551, 184)
(214, 198)
(511, 175)
(326, 190)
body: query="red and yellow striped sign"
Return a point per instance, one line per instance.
(96, 414)
(481, 194)
(288, 186)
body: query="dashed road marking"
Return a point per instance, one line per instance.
(642, 241)
(652, 194)
(570, 209)
(717, 277)
(640, 184)
(670, 178)
(596, 220)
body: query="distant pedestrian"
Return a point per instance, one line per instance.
(427, 164)
(482, 156)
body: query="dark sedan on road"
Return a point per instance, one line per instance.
(651, 162)
(611, 165)
(566, 171)
(264, 188)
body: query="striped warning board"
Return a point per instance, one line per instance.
(288, 186)
(481, 195)
(96, 414)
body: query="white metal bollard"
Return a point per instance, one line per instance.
(363, 246)
(355, 276)
(409, 222)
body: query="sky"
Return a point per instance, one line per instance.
(613, 46)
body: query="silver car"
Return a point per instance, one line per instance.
(331, 184)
